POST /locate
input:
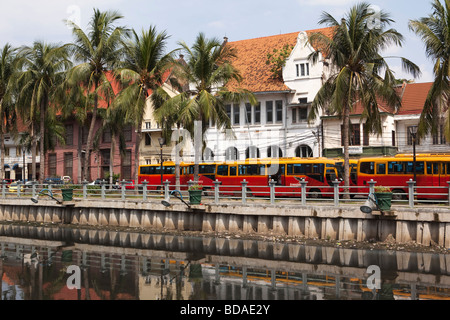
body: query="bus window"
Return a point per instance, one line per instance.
(169, 170)
(207, 169)
(381, 168)
(222, 170)
(251, 170)
(233, 171)
(433, 168)
(316, 171)
(367, 167)
(420, 167)
(447, 165)
(395, 167)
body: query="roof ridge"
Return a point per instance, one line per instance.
(281, 34)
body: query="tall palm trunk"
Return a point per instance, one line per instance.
(79, 153)
(42, 138)
(111, 158)
(137, 155)
(345, 135)
(90, 140)
(33, 151)
(2, 161)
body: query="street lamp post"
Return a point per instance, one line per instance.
(413, 131)
(161, 141)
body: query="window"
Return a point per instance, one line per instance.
(18, 151)
(393, 138)
(269, 111)
(127, 135)
(228, 111)
(248, 113)
(439, 137)
(303, 152)
(6, 152)
(148, 125)
(302, 69)
(68, 164)
(252, 152)
(84, 135)
(232, 154)
(354, 135)
(52, 164)
(126, 165)
(274, 152)
(69, 135)
(236, 115)
(299, 115)
(381, 168)
(257, 119)
(365, 136)
(405, 167)
(106, 136)
(279, 111)
(148, 139)
(367, 167)
(222, 170)
(233, 171)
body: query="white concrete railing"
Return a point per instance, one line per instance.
(244, 193)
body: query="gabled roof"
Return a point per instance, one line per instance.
(414, 97)
(252, 56)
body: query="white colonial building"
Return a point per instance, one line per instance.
(277, 126)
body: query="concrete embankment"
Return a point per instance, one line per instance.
(423, 225)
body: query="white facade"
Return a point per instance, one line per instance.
(278, 126)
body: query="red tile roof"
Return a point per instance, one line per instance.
(414, 97)
(252, 56)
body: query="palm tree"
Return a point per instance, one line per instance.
(43, 70)
(207, 70)
(354, 53)
(433, 30)
(98, 52)
(145, 67)
(7, 71)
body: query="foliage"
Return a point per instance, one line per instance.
(277, 60)
(382, 189)
(434, 32)
(195, 187)
(362, 75)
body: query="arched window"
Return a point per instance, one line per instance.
(252, 152)
(304, 151)
(232, 153)
(208, 155)
(274, 152)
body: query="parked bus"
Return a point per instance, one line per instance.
(152, 174)
(432, 173)
(286, 172)
(207, 174)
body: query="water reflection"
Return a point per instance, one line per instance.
(137, 266)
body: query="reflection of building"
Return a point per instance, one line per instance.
(131, 266)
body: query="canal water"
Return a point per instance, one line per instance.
(62, 263)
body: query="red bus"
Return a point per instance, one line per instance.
(207, 174)
(432, 174)
(152, 174)
(286, 172)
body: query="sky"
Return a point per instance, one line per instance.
(25, 21)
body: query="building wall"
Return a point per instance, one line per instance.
(99, 165)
